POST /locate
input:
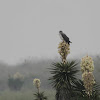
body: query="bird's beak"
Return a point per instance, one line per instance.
(70, 42)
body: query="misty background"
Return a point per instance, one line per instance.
(29, 28)
(29, 36)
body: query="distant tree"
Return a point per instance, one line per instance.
(16, 82)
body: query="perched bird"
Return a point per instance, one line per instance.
(64, 37)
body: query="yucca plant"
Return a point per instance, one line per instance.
(63, 78)
(80, 93)
(87, 88)
(40, 96)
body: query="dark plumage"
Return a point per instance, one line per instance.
(64, 37)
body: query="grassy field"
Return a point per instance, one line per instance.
(23, 95)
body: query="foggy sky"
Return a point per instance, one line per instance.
(29, 28)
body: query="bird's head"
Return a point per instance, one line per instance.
(60, 34)
(60, 31)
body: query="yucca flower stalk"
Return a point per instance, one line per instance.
(37, 83)
(88, 80)
(87, 64)
(81, 94)
(38, 95)
(87, 68)
(63, 50)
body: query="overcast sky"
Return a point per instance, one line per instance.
(29, 28)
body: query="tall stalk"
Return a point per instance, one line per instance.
(63, 74)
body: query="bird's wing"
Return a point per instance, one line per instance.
(65, 37)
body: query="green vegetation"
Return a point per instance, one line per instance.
(16, 82)
(65, 82)
(40, 96)
(80, 93)
(34, 69)
(23, 95)
(64, 76)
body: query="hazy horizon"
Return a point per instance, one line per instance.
(30, 28)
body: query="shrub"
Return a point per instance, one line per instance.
(16, 82)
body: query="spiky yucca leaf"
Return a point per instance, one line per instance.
(63, 77)
(79, 91)
(40, 96)
(63, 74)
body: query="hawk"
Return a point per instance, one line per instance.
(64, 37)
